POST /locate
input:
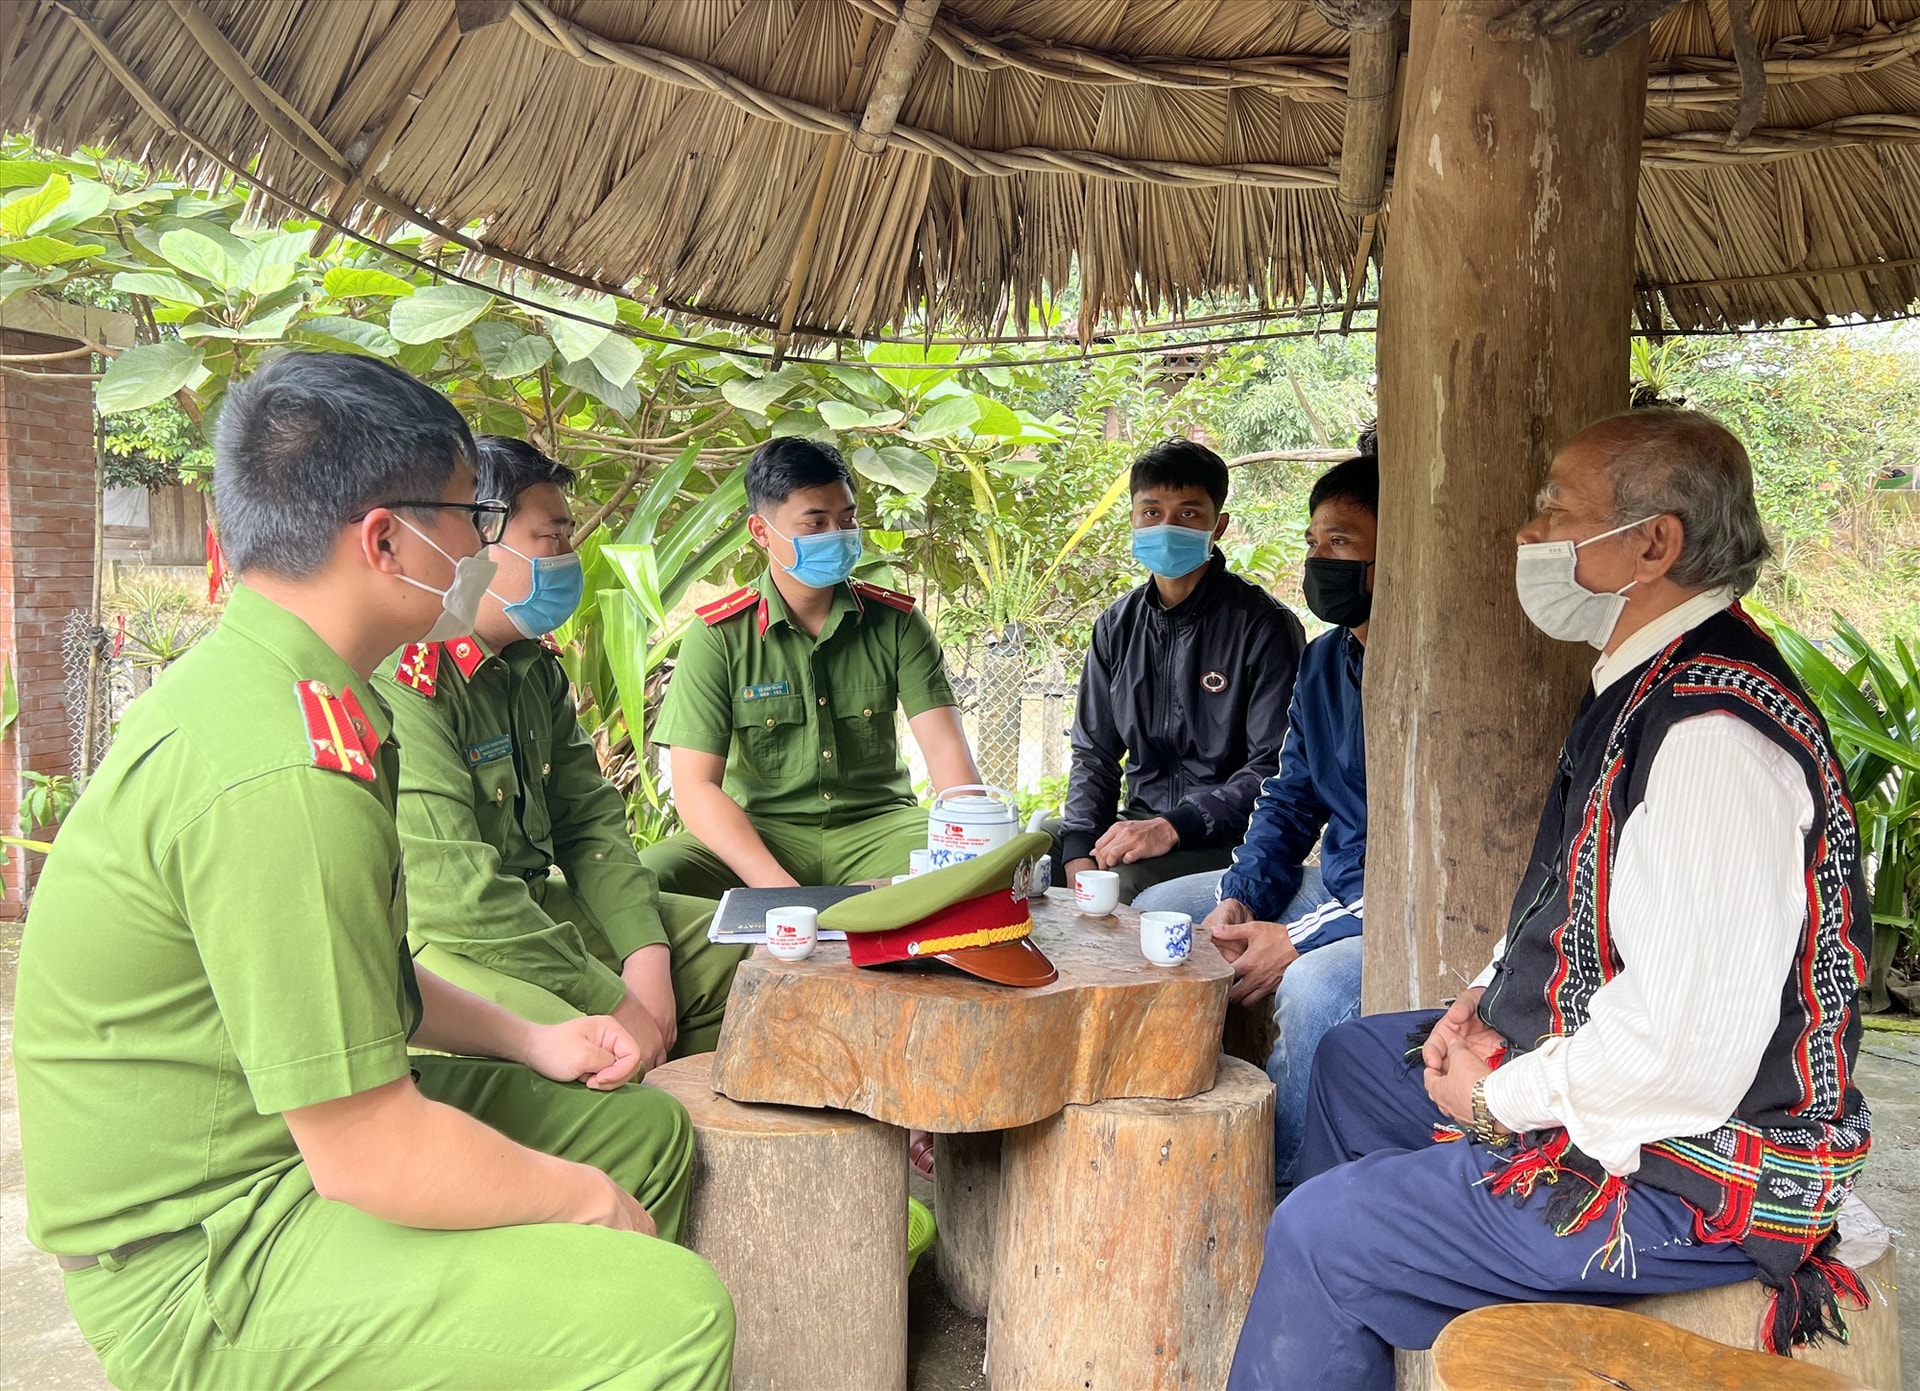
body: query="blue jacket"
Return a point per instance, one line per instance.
(1319, 793)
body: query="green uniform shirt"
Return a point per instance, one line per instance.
(806, 725)
(219, 936)
(498, 784)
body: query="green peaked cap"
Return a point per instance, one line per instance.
(901, 905)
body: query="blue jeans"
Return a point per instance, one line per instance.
(1389, 1235)
(1319, 990)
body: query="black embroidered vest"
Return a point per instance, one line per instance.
(1774, 1176)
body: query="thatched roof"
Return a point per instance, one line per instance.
(712, 152)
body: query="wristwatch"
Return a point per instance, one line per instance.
(1485, 1128)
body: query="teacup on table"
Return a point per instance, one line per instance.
(792, 932)
(1166, 939)
(1096, 892)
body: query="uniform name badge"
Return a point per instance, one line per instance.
(489, 750)
(765, 690)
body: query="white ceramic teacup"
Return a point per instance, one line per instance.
(1096, 892)
(1166, 939)
(919, 861)
(791, 932)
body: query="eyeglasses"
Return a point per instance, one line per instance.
(489, 518)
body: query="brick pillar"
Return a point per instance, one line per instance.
(46, 563)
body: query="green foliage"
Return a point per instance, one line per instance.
(1871, 700)
(9, 695)
(156, 446)
(158, 623)
(48, 799)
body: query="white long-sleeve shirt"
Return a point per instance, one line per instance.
(1707, 906)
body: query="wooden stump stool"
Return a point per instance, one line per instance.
(1728, 1316)
(1129, 1238)
(804, 1215)
(1579, 1347)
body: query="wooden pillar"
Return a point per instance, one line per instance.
(1503, 331)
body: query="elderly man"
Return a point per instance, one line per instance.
(1650, 1089)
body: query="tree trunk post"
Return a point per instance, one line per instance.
(1504, 330)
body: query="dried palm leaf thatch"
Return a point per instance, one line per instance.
(703, 155)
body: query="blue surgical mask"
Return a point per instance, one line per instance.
(824, 559)
(558, 583)
(1172, 551)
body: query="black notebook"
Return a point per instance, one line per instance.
(742, 915)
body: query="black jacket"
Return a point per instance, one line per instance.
(1194, 698)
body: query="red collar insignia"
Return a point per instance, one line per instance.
(339, 735)
(418, 665)
(467, 654)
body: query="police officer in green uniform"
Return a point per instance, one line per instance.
(247, 1179)
(499, 786)
(779, 717)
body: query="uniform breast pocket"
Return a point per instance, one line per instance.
(863, 727)
(767, 735)
(496, 793)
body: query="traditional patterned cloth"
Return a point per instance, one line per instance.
(1774, 1176)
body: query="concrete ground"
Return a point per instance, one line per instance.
(41, 1350)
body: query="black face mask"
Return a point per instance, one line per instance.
(1336, 591)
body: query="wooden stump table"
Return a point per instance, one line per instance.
(927, 1046)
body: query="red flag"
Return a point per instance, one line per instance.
(216, 566)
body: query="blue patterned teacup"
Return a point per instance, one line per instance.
(1166, 939)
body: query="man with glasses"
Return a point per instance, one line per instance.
(247, 1178)
(779, 717)
(500, 788)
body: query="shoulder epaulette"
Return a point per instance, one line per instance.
(467, 654)
(549, 645)
(893, 598)
(720, 610)
(339, 735)
(418, 665)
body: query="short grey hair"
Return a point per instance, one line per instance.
(1688, 465)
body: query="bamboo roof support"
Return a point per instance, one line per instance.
(836, 150)
(380, 141)
(295, 130)
(1753, 72)
(1373, 63)
(897, 67)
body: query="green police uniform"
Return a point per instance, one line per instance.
(806, 726)
(498, 787)
(219, 937)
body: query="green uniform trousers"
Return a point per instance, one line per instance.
(702, 970)
(1141, 875)
(342, 1299)
(874, 847)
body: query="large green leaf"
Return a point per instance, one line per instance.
(618, 357)
(574, 339)
(26, 173)
(841, 416)
(49, 251)
(338, 331)
(149, 373)
(995, 419)
(907, 470)
(203, 257)
(20, 212)
(619, 397)
(693, 527)
(437, 312)
(658, 496)
(756, 394)
(86, 201)
(360, 282)
(626, 654)
(158, 285)
(505, 351)
(946, 418)
(14, 279)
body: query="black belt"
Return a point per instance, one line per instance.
(118, 1253)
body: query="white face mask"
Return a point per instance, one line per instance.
(1557, 603)
(459, 601)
